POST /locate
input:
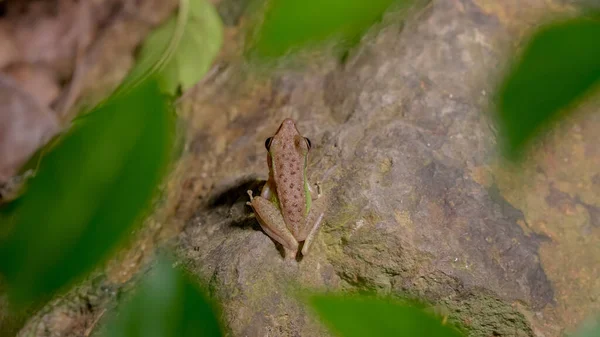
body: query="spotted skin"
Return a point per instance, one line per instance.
(287, 210)
(288, 153)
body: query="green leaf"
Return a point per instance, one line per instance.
(181, 50)
(559, 66)
(359, 316)
(91, 188)
(589, 329)
(291, 24)
(168, 303)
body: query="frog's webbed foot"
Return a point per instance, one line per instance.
(290, 255)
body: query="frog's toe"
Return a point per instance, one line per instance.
(290, 255)
(250, 194)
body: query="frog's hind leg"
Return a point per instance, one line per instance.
(271, 221)
(312, 234)
(313, 221)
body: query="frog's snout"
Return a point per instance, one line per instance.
(288, 122)
(288, 126)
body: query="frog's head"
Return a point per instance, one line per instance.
(287, 141)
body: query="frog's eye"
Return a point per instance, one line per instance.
(308, 142)
(268, 143)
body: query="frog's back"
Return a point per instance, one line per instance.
(289, 153)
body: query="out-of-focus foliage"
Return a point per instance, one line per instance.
(98, 180)
(358, 316)
(90, 190)
(559, 66)
(589, 329)
(167, 304)
(181, 50)
(290, 24)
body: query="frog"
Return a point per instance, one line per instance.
(288, 209)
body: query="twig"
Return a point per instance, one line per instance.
(89, 330)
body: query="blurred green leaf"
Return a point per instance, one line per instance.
(182, 49)
(589, 329)
(91, 188)
(289, 24)
(359, 316)
(168, 303)
(7, 212)
(559, 66)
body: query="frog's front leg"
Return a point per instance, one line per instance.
(314, 218)
(270, 219)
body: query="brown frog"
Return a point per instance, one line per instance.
(288, 209)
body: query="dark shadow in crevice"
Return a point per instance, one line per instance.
(246, 222)
(236, 193)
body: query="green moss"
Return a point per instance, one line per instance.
(484, 315)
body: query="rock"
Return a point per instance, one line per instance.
(406, 154)
(39, 81)
(48, 35)
(8, 50)
(25, 125)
